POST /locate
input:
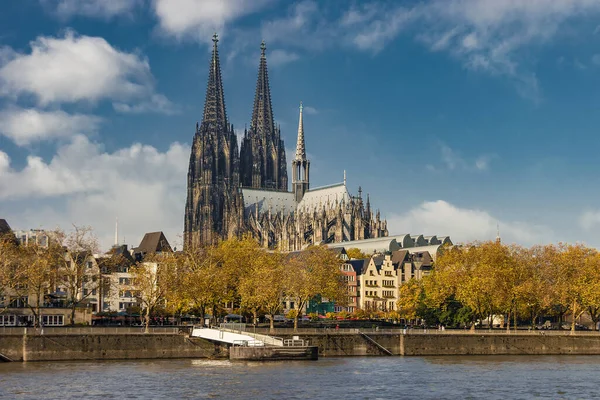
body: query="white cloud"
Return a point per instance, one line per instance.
(24, 126)
(589, 219)
(198, 19)
(452, 161)
(77, 68)
(157, 103)
(280, 57)
(144, 187)
(309, 110)
(91, 8)
(463, 225)
(490, 36)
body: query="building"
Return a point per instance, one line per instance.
(414, 243)
(33, 236)
(231, 193)
(380, 277)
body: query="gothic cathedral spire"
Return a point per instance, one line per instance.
(263, 163)
(300, 164)
(213, 174)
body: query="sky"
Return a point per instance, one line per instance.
(458, 117)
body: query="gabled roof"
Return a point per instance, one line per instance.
(154, 242)
(121, 251)
(4, 227)
(359, 265)
(399, 256)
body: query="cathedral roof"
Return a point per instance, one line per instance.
(278, 201)
(326, 196)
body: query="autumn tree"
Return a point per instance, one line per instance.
(570, 262)
(262, 286)
(79, 273)
(409, 299)
(38, 269)
(314, 271)
(590, 294)
(354, 253)
(152, 279)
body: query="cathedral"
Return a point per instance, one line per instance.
(231, 192)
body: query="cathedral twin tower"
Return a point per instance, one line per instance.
(230, 193)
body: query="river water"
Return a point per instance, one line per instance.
(473, 377)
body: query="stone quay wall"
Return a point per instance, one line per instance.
(378, 344)
(90, 346)
(57, 347)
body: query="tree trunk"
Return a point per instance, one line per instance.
(147, 328)
(272, 323)
(72, 316)
(508, 323)
(574, 313)
(296, 323)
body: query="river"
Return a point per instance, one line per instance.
(472, 377)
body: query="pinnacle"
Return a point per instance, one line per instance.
(300, 146)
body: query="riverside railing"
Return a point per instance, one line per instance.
(90, 330)
(412, 331)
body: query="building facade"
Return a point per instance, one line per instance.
(231, 193)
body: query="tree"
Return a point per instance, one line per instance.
(36, 275)
(314, 271)
(354, 253)
(590, 295)
(79, 273)
(262, 286)
(410, 297)
(152, 279)
(572, 282)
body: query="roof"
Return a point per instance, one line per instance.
(121, 251)
(4, 227)
(154, 242)
(277, 200)
(327, 196)
(359, 265)
(432, 250)
(399, 256)
(370, 246)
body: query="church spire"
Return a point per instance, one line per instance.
(214, 104)
(262, 113)
(300, 146)
(300, 164)
(263, 151)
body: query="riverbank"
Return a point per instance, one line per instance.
(112, 345)
(57, 347)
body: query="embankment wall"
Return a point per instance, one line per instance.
(57, 347)
(105, 347)
(343, 344)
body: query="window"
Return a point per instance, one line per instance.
(292, 304)
(7, 320)
(53, 320)
(89, 265)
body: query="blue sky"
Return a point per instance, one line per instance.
(455, 115)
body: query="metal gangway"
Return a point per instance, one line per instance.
(236, 336)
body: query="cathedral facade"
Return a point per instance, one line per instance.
(231, 192)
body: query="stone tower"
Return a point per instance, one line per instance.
(214, 206)
(300, 164)
(263, 163)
